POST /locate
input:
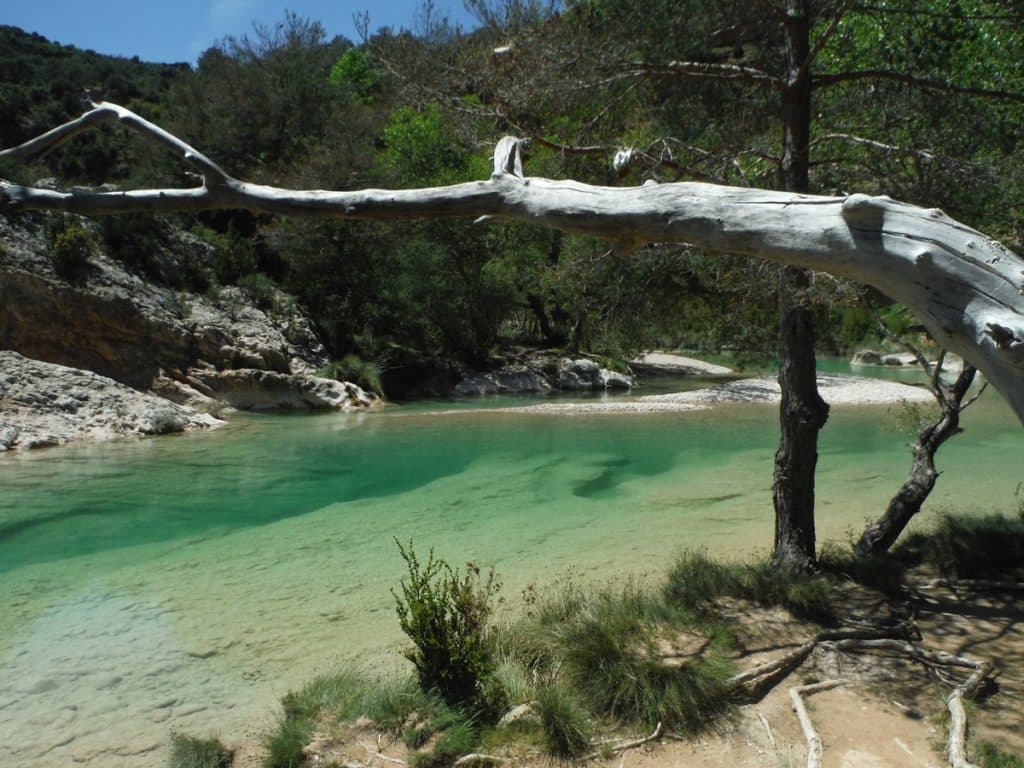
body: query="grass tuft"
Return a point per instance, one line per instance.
(564, 722)
(193, 752)
(611, 653)
(285, 745)
(341, 694)
(966, 547)
(459, 738)
(991, 756)
(696, 580)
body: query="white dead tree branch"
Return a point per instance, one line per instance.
(966, 288)
(815, 747)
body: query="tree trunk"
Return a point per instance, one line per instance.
(882, 534)
(802, 412)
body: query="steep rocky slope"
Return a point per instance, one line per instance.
(201, 351)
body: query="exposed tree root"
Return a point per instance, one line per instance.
(478, 758)
(607, 750)
(814, 745)
(890, 640)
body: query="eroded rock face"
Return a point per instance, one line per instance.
(196, 351)
(117, 324)
(43, 404)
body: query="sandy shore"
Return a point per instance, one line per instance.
(835, 389)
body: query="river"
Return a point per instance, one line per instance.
(185, 583)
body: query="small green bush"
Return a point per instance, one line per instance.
(70, 249)
(564, 722)
(193, 752)
(445, 614)
(260, 290)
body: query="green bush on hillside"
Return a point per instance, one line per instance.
(70, 248)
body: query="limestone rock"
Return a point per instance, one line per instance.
(506, 380)
(583, 374)
(42, 404)
(255, 389)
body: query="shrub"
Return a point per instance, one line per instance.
(192, 752)
(70, 249)
(260, 290)
(445, 614)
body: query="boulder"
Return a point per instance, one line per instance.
(583, 374)
(43, 404)
(503, 381)
(252, 389)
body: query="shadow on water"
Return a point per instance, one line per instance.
(64, 505)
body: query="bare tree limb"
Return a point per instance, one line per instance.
(922, 154)
(927, 83)
(814, 744)
(823, 38)
(965, 287)
(701, 70)
(107, 112)
(622, 747)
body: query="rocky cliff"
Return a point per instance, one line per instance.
(201, 351)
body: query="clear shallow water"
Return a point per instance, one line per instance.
(185, 583)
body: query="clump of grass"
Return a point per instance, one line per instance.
(194, 752)
(565, 724)
(459, 737)
(963, 546)
(339, 696)
(609, 651)
(991, 756)
(285, 745)
(393, 701)
(696, 580)
(366, 374)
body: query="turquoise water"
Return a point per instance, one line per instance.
(187, 582)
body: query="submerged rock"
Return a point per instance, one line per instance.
(43, 404)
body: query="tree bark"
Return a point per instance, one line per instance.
(882, 534)
(802, 412)
(964, 287)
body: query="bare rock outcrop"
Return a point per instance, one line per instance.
(43, 404)
(197, 351)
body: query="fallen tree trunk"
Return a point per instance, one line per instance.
(965, 288)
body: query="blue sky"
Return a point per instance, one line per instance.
(179, 30)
